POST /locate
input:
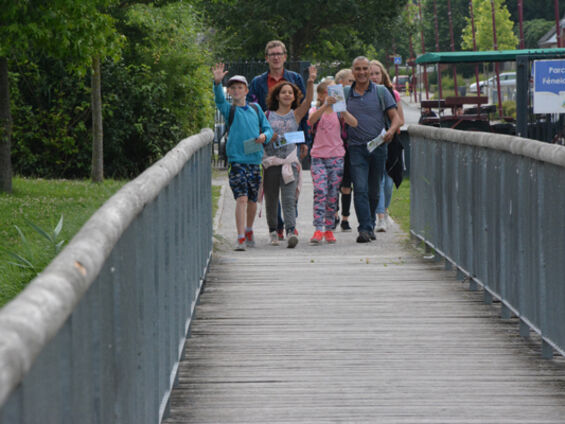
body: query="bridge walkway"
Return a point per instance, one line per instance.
(353, 333)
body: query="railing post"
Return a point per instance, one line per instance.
(522, 90)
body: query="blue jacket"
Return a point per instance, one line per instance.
(259, 89)
(246, 124)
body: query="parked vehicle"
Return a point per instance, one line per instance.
(506, 79)
(400, 82)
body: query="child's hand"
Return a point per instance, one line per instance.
(219, 73)
(312, 73)
(303, 151)
(331, 100)
(261, 139)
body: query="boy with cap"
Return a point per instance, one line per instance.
(249, 130)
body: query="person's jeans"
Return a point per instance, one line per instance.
(366, 172)
(385, 194)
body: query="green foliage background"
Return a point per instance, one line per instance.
(155, 93)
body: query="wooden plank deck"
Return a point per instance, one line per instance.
(350, 333)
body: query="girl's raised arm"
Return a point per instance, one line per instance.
(301, 110)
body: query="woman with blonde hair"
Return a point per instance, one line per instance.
(379, 75)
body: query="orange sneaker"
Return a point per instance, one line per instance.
(329, 236)
(317, 237)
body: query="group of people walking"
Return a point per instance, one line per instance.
(270, 127)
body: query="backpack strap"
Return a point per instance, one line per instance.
(381, 94)
(230, 117)
(232, 114)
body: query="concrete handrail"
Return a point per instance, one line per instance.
(550, 153)
(34, 317)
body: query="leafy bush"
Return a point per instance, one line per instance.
(158, 93)
(509, 108)
(51, 109)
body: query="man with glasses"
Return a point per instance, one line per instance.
(275, 56)
(261, 85)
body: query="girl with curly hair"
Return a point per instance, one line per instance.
(281, 165)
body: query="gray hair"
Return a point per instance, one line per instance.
(358, 58)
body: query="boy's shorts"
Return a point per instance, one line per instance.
(245, 180)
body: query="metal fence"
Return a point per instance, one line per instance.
(492, 206)
(97, 337)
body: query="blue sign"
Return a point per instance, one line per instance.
(549, 86)
(398, 60)
(549, 75)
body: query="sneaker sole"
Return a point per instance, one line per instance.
(240, 249)
(292, 241)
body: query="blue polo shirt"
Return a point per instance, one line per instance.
(367, 109)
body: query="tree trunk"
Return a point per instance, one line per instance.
(5, 129)
(97, 172)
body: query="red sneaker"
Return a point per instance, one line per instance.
(329, 236)
(317, 237)
(280, 233)
(249, 239)
(240, 244)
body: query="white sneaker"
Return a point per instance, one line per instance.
(274, 237)
(381, 225)
(292, 240)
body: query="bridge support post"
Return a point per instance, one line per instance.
(546, 350)
(487, 297)
(505, 312)
(524, 329)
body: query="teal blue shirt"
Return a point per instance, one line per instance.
(246, 124)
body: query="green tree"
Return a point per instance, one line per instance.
(157, 93)
(72, 29)
(533, 31)
(316, 28)
(536, 9)
(506, 39)
(459, 12)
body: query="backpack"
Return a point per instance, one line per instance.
(395, 158)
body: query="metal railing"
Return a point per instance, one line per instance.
(492, 206)
(97, 337)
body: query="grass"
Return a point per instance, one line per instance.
(42, 203)
(400, 205)
(216, 190)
